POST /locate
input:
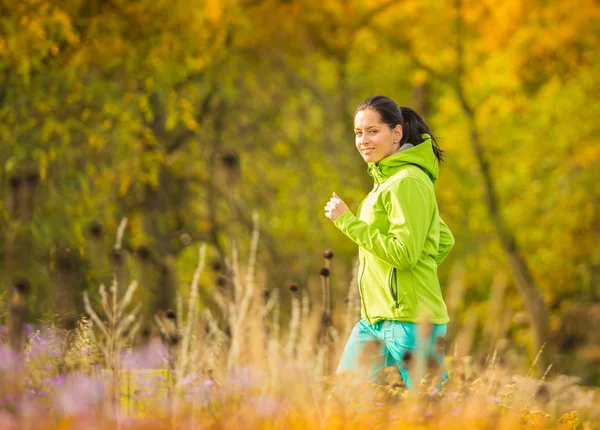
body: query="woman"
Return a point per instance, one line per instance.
(402, 241)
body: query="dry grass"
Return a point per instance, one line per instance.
(240, 366)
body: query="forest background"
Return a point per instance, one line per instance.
(187, 117)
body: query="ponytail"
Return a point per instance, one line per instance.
(413, 127)
(412, 124)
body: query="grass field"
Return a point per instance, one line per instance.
(246, 368)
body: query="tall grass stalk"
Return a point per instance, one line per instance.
(294, 327)
(535, 361)
(183, 363)
(352, 301)
(117, 322)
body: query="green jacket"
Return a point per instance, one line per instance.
(402, 239)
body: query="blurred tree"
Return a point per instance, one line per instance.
(186, 117)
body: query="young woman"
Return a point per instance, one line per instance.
(402, 241)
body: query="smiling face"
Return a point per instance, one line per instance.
(375, 139)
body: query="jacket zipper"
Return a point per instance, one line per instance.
(362, 272)
(360, 291)
(394, 287)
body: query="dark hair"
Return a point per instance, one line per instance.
(413, 126)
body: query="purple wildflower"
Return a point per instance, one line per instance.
(245, 378)
(153, 355)
(8, 359)
(79, 395)
(265, 406)
(494, 399)
(28, 330)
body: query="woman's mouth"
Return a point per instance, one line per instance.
(367, 151)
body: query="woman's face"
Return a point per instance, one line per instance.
(375, 139)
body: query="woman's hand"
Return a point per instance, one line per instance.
(335, 207)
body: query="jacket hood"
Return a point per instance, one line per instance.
(422, 155)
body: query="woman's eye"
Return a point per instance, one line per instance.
(373, 131)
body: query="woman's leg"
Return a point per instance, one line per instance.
(414, 355)
(437, 349)
(401, 340)
(365, 353)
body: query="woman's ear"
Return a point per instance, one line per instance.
(397, 133)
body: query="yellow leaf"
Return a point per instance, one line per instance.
(124, 185)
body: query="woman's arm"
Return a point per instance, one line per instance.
(446, 242)
(410, 206)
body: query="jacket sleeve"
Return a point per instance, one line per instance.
(446, 242)
(410, 208)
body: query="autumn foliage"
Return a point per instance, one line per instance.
(187, 117)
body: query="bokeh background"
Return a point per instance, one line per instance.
(187, 117)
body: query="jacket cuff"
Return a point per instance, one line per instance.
(344, 219)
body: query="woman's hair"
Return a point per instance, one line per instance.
(413, 126)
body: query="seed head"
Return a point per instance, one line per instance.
(95, 230)
(221, 281)
(293, 287)
(63, 260)
(542, 394)
(170, 314)
(144, 252)
(116, 256)
(266, 294)
(216, 266)
(69, 322)
(32, 178)
(14, 182)
(174, 339)
(22, 286)
(407, 358)
(324, 272)
(230, 159)
(325, 319)
(328, 254)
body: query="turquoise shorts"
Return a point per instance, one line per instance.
(370, 348)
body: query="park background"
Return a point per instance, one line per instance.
(188, 118)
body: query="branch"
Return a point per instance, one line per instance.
(406, 46)
(190, 78)
(187, 134)
(245, 220)
(373, 12)
(276, 58)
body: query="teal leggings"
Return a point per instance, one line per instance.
(370, 348)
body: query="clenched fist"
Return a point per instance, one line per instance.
(335, 207)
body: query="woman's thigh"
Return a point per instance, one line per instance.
(411, 351)
(365, 353)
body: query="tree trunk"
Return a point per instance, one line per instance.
(156, 220)
(420, 99)
(521, 274)
(67, 282)
(18, 252)
(593, 294)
